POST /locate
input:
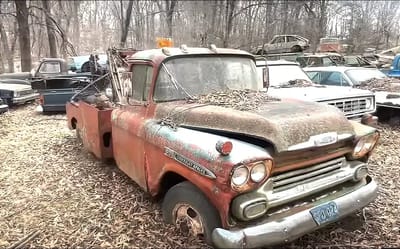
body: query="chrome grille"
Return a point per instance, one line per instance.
(354, 106)
(292, 178)
(26, 92)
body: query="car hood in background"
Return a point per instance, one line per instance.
(318, 93)
(14, 87)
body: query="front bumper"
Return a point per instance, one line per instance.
(25, 98)
(3, 108)
(53, 108)
(272, 231)
(367, 119)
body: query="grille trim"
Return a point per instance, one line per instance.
(26, 92)
(293, 177)
(313, 179)
(353, 106)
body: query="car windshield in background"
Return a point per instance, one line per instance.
(50, 67)
(282, 74)
(359, 75)
(182, 78)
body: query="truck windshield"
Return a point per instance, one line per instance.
(280, 75)
(359, 75)
(183, 78)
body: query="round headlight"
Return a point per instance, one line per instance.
(240, 176)
(258, 172)
(16, 94)
(368, 103)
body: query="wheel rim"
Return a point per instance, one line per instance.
(188, 220)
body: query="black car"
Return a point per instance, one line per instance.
(3, 107)
(15, 91)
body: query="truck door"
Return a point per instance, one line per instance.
(128, 121)
(395, 72)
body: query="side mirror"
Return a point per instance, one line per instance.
(73, 68)
(265, 77)
(109, 93)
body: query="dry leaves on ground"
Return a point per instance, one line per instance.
(49, 184)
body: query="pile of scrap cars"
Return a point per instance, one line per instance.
(376, 73)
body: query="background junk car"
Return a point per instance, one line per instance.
(14, 91)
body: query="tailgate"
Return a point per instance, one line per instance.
(56, 98)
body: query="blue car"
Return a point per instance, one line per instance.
(75, 63)
(394, 70)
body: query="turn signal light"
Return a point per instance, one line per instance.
(224, 147)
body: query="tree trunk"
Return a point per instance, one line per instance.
(50, 30)
(24, 35)
(6, 49)
(76, 25)
(285, 17)
(126, 23)
(229, 9)
(170, 15)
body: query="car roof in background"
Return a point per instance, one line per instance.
(261, 62)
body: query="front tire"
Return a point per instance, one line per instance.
(188, 208)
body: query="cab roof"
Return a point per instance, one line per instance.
(162, 53)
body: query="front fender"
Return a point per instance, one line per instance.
(361, 130)
(199, 148)
(192, 155)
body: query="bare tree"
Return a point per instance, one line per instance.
(125, 22)
(24, 35)
(50, 30)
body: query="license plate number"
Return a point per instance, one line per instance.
(325, 213)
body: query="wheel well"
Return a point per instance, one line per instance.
(107, 139)
(260, 52)
(169, 180)
(73, 123)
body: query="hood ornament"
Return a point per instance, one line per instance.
(320, 140)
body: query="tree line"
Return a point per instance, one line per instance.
(33, 29)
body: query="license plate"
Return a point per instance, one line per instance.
(325, 213)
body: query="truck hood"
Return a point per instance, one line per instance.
(21, 75)
(318, 93)
(14, 87)
(390, 99)
(283, 124)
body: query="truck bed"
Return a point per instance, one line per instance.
(54, 100)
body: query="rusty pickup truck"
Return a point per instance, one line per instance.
(237, 167)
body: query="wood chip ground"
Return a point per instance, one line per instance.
(52, 188)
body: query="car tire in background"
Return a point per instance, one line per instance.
(295, 48)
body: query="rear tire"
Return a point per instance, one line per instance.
(394, 121)
(260, 52)
(189, 209)
(295, 48)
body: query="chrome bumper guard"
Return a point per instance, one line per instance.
(3, 108)
(26, 98)
(272, 230)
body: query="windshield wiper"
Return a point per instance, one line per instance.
(175, 83)
(296, 83)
